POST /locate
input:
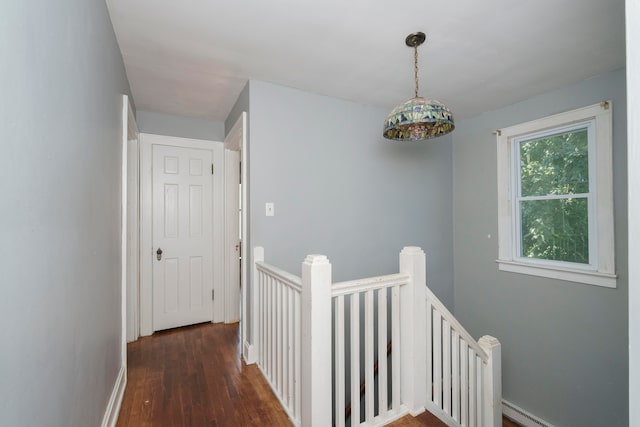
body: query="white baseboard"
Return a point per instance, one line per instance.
(248, 353)
(521, 416)
(113, 407)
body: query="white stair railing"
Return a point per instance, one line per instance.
(381, 400)
(278, 338)
(463, 376)
(443, 369)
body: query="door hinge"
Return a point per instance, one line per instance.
(213, 294)
(211, 168)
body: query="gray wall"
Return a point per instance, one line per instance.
(564, 344)
(60, 129)
(341, 190)
(183, 127)
(242, 104)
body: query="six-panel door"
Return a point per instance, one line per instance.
(182, 230)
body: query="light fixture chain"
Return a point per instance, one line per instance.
(415, 66)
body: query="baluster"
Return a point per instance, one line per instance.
(446, 366)
(290, 349)
(368, 356)
(265, 305)
(437, 358)
(430, 357)
(464, 383)
(272, 324)
(472, 388)
(265, 323)
(339, 361)
(395, 347)
(478, 391)
(383, 405)
(285, 344)
(355, 359)
(260, 308)
(455, 375)
(274, 334)
(278, 370)
(297, 357)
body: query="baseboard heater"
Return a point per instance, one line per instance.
(521, 416)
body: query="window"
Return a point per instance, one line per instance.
(555, 197)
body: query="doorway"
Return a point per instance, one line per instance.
(182, 251)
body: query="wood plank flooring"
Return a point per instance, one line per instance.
(194, 377)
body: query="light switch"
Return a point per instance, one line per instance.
(269, 209)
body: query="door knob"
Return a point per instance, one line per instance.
(159, 254)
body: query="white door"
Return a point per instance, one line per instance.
(232, 235)
(182, 236)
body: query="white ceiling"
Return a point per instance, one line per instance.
(193, 57)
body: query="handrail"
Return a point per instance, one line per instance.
(455, 324)
(370, 283)
(287, 278)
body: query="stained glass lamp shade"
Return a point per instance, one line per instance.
(419, 118)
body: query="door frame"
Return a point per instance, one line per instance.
(232, 287)
(131, 198)
(237, 140)
(129, 225)
(147, 253)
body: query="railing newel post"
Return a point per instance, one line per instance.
(413, 341)
(492, 387)
(316, 342)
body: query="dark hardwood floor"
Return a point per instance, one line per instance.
(194, 377)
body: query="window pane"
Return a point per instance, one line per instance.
(556, 164)
(555, 229)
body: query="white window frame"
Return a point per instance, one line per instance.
(601, 268)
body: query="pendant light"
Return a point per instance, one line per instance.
(419, 118)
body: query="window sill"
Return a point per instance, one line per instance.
(588, 277)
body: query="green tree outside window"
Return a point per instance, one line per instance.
(554, 187)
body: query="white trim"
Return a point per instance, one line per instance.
(241, 126)
(129, 128)
(146, 250)
(110, 417)
(581, 276)
(131, 183)
(123, 231)
(218, 314)
(601, 272)
(248, 353)
(231, 239)
(521, 416)
(632, 17)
